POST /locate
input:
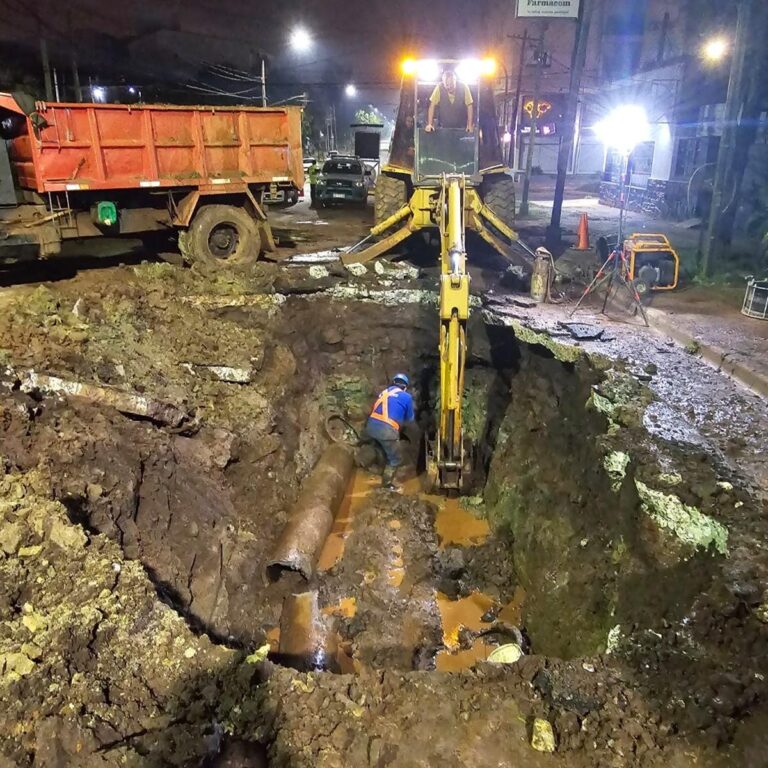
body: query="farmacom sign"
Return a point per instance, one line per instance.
(560, 9)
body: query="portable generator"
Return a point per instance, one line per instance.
(652, 262)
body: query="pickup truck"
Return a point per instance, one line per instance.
(343, 180)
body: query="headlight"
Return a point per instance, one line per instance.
(470, 70)
(359, 183)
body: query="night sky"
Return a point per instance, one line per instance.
(169, 42)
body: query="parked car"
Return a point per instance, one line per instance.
(342, 180)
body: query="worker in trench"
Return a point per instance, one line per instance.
(452, 101)
(392, 413)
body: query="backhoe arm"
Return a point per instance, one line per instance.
(449, 455)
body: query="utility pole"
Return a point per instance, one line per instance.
(76, 79)
(263, 82)
(565, 150)
(514, 144)
(733, 102)
(46, 69)
(534, 118)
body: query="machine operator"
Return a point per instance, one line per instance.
(453, 103)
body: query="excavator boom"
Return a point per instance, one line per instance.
(447, 458)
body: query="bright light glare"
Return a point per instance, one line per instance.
(98, 93)
(301, 40)
(507, 137)
(471, 70)
(488, 66)
(468, 70)
(624, 128)
(350, 91)
(409, 67)
(715, 49)
(427, 70)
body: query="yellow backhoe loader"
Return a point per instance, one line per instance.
(451, 179)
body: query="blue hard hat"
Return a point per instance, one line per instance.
(401, 378)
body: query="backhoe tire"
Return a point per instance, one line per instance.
(390, 195)
(499, 195)
(220, 234)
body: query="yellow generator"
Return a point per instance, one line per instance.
(652, 262)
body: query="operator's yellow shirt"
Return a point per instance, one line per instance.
(435, 97)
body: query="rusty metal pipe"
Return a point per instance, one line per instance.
(311, 518)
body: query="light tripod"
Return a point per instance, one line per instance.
(615, 267)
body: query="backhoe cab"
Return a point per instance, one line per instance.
(408, 188)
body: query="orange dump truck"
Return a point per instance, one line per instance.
(71, 171)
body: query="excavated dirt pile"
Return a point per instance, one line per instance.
(155, 431)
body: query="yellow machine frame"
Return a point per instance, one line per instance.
(451, 204)
(421, 211)
(644, 242)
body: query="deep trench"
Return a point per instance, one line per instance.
(559, 533)
(568, 554)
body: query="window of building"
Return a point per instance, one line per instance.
(641, 159)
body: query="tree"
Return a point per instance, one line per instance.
(369, 117)
(744, 102)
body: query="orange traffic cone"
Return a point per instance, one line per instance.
(583, 233)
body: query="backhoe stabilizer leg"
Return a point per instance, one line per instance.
(377, 249)
(486, 213)
(353, 256)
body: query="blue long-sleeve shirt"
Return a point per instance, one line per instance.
(394, 405)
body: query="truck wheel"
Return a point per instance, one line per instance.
(390, 195)
(499, 195)
(221, 233)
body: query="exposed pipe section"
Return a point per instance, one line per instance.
(306, 640)
(311, 518)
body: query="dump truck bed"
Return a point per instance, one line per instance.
(119, 146)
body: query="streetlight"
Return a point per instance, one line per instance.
(301, 41)
(622, 130)
(715, 49)
(350, 91)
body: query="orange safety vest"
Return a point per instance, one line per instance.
(384, 415)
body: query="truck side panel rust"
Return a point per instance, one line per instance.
(117, 146)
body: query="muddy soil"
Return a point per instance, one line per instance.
(616, 531)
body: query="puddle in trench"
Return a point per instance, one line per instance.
(455, 527)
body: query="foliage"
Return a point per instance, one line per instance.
(364, 116)
(757, 224)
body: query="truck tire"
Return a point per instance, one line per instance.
(221, 234)
(499, 195)
(390, 195)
